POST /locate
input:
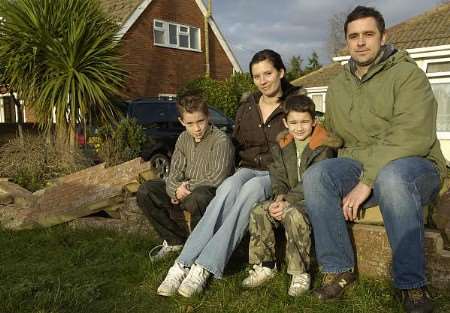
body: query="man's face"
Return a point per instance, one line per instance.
(364, 40)
(299, 124)
(195, 123)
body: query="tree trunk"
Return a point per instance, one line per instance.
(19, 115)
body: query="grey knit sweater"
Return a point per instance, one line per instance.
(204, 163)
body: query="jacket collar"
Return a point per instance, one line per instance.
(319, 137)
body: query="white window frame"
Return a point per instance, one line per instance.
(170, 96)
(165, 30)
(2, 111)
(436, 74)
(446, 80)
(318, 91)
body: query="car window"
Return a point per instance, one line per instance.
(148, 113)
(217, 118)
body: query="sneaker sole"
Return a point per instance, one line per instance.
(186, 295)
(165, 294)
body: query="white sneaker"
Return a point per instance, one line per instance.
(194, 282)
(174, 277)
(162, 250)
(258, 276)
(299, 284)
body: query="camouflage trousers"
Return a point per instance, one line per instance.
(298, 237)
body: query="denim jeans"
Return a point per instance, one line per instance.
(225, 220)
(401, 189)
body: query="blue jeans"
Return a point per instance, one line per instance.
(225, 220)
(401, 189)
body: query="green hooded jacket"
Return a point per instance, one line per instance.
(388, 114)
(283, 170)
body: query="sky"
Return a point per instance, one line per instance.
(296, 27)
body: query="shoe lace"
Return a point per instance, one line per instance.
(328, 279)
(161, 250)
(299, 280)
(197, 274)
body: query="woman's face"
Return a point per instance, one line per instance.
(267, 78)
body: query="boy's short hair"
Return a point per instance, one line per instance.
(363, 12)
(192, 101)
(299, 103)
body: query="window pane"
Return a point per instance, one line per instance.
(184, 41)
(438, 67)
(158, 24)
(172, 34)
(159, 37)
(318, 101)
(183, 29)
(442, 94)
(194, 38)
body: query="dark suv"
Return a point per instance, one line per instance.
(159, 118)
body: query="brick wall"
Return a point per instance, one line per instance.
(154, 69)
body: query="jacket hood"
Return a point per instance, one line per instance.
(319, 137)
(388, 57)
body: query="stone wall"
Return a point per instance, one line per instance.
(374, 257)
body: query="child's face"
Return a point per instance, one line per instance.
(300, 124)
(195, 123)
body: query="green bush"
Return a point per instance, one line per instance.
(223, 95)
(35, 161)
(122, 142)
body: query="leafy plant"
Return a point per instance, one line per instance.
(35, 161)
(62, 57)
(122, 142)
(224, 95)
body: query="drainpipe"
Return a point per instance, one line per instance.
(207, 17)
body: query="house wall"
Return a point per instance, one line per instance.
(158, 70)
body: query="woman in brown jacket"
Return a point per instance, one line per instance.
(258, 122)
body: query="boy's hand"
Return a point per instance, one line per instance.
(276, 209)
(183, 191)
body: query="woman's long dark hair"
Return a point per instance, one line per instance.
(277, 62)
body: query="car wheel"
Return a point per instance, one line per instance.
(161, 164)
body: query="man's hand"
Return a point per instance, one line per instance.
(276, 209)
(183, 191)
(353, 200)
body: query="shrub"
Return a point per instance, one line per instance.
(122, 142)
(223, 95)
(33, 163)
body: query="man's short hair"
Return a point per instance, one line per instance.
(299, 103)
(363, 12)
(192, 101)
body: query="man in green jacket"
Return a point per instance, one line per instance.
(383, 108)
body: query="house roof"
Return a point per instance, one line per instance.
(120, 10)
(431, 28)
(127, 12)
(318, 78)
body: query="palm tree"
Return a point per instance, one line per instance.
(62, 57)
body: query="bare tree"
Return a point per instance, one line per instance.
(336, 37)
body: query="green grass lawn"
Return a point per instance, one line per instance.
(63, 270)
